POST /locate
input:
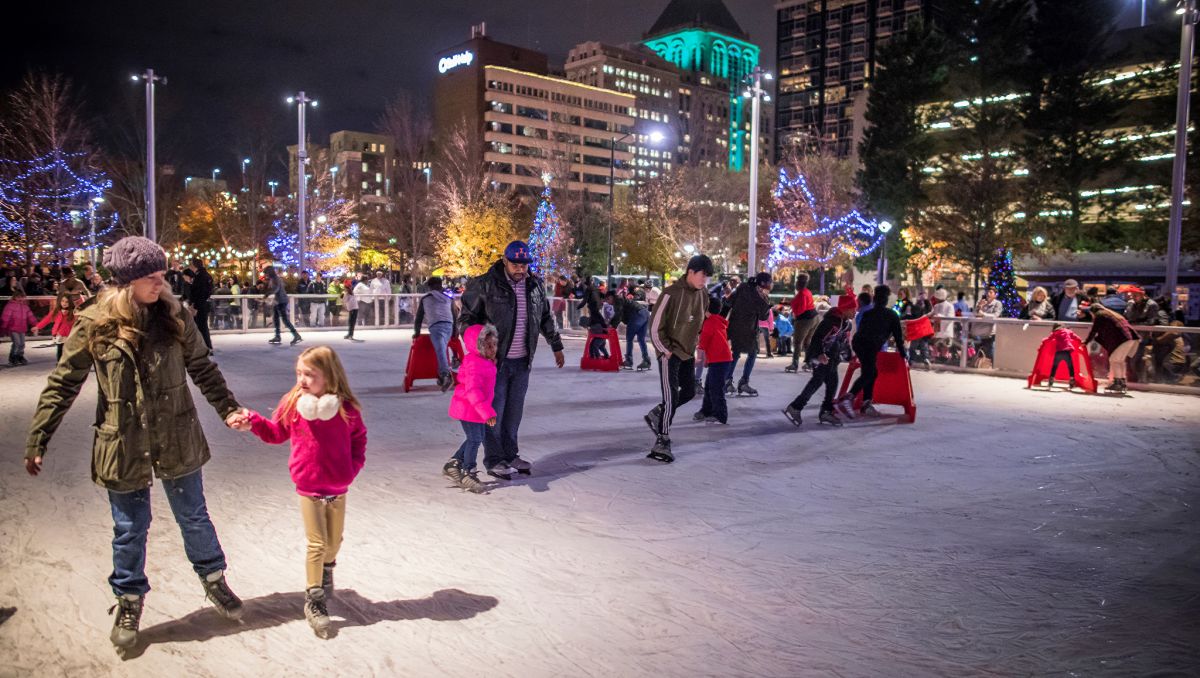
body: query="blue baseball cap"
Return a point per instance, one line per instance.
(518, 253)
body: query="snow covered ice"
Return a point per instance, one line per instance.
(1007, 532)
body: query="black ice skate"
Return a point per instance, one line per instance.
(275, 340)
(745, 389)
(661, 450)
(316, 611)
(729, 388)
(653, 418)
(644, 365)
(521, 466)
(699, 416)
(793, 415)
(627, 364)
(453, 471)
(125, 626)
(868, 410)
(221, 596)
(828, 417)
(501, 471)
(327, 579)
(791, 369)
(296, 340)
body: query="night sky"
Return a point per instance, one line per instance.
(230, 64)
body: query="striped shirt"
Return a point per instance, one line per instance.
(520, 326)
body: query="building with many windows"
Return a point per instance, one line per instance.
(826, 57)
(360, 166)
(524, 123)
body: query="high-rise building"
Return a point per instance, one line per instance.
(703, 40)
(524, 123)
(655, 85)
(826, 56)
(359, 163)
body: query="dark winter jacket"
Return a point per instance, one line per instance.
(490, 298)
(678, 317)
(146, 423)
(747, 309)
(1145, 312)
(1110, 332)
(876, 326)
(830, 337)
(1056, 301)
(202, 288)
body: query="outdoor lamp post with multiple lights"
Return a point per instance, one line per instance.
(151, 204)
(302, 102)
(757, 95)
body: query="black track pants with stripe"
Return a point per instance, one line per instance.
(678, 382)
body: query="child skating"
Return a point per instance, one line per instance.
(15, 322)
(323, 419)
(1066, 343)
(824, 352)
(471, 404)
(675, 330)
(63, 317)
(714, 344)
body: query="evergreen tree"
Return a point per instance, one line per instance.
(1002, 278)
(548, 242)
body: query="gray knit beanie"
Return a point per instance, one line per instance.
(134, 257)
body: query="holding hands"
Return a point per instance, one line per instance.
(239, 421)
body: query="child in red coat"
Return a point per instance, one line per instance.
(63, 317)
(714, 342)
(1066, 343)
(323, 419)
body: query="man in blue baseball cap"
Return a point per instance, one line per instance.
(513, 300)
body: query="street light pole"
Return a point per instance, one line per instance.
(881, 274)
(245, 161)
(272, 184)
(151, 203)
(756, 93)
(301, 102)
(612, 190)
(1187, 40)
(92, 228)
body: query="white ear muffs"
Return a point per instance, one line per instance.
(324, 408)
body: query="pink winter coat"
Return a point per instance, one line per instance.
(472, 400)
(326, 455)
(17, 317)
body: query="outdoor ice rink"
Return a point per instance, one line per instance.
(1006, 533)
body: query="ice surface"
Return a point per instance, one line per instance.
(1007, 533)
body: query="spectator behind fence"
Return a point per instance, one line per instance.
(1039, 307)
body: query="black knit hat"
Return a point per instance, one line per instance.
(134, 257)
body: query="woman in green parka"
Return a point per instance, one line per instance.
(143, 345)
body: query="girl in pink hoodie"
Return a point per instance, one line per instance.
(15, 322)
(472, 403)
(329, 441)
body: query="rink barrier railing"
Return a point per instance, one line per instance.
(1013, 343)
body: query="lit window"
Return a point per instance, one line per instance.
(365, 168)
(379, 176)
(364, 185)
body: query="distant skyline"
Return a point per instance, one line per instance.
(227, 60)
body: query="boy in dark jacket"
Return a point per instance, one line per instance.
(718, 356)
(824, 352)
(874, 329)
(675, 330)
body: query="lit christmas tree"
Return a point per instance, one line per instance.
(809, 231)
(1001, 277)
(46, 202)
(547, 241)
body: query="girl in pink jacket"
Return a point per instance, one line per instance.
(15, 322)
(329, 441)
(63, 317)
(472, 403)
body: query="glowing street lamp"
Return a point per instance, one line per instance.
(885, 227)
(215, 172)
(273, 185)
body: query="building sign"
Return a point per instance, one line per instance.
(455, 60)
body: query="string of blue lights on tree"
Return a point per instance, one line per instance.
(331, 234)
(46, 204)
(545, 240)
(811, 237)
(1005, 281)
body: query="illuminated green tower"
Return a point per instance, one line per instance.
(703, 37)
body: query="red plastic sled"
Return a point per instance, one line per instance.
(1085, 376)
(611, 364)
(422, 360)
(893, 386)
(918, 328)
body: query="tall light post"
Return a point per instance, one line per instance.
(151, 203)
(881, 275)
(757, 95)
(655, 137)
(333, 171)
(215, 172)
(273, 185)
(1189, 13)
(245, 161)
(302, 102)
(92, 205)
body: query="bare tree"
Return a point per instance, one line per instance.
(407, 122)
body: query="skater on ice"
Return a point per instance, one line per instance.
(143, 345)
(636, 315)
(871, 335)
(718, 358)
(1112, 331)
(437, 308)
(675, 330)
(471, 404)
(824, 351)
(16, 321)
(508, 297)
(323, 420)
(804, 321)
(749, 306)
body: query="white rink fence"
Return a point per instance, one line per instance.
(999, 346)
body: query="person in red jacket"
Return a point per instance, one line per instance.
(323, 419)
(1066, 343)
(15, 321)
(804, 320)
(63, 317)
(714, 342)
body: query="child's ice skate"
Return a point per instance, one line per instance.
(316, 611)
(828, 417)
(662, 450)
(221, 596)
(793, 415)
